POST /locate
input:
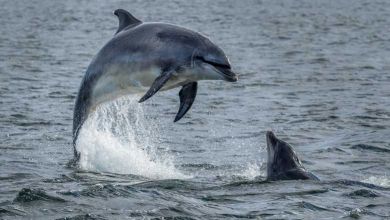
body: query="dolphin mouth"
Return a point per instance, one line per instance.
(227, 73)
(222, 69)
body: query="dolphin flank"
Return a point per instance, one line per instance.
(283, 163)
(145, 57)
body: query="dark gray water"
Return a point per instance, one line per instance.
(315, 72)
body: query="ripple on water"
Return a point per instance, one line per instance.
(84, 217)
(362, 193)
(31, 195)
(102, 191)
(311, 206)
(366, 147)
(11, 210)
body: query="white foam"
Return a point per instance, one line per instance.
(378, 180)
(117, 138)
(252, 171)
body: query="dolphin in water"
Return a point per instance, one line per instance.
(145, 57)
(283, 163)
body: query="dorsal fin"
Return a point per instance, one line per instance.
(125, 19)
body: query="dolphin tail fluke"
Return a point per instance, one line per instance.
(187, 96)
(157, 85)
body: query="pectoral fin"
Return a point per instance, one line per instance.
(187, 96)
(157, 84)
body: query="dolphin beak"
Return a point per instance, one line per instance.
(227, 73)
(271, 145)
(271, 140)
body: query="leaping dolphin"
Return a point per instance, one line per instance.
(148, 57)
(283, 163)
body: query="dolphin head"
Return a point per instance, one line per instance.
(281, 157)
(200, 58)
(210, 62)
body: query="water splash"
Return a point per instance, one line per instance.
(378, 180)
(117, 138)
(252, 171)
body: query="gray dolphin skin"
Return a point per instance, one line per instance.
(283, 163)
(145, 57)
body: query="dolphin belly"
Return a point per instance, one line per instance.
(122, 80)
(119, 81)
